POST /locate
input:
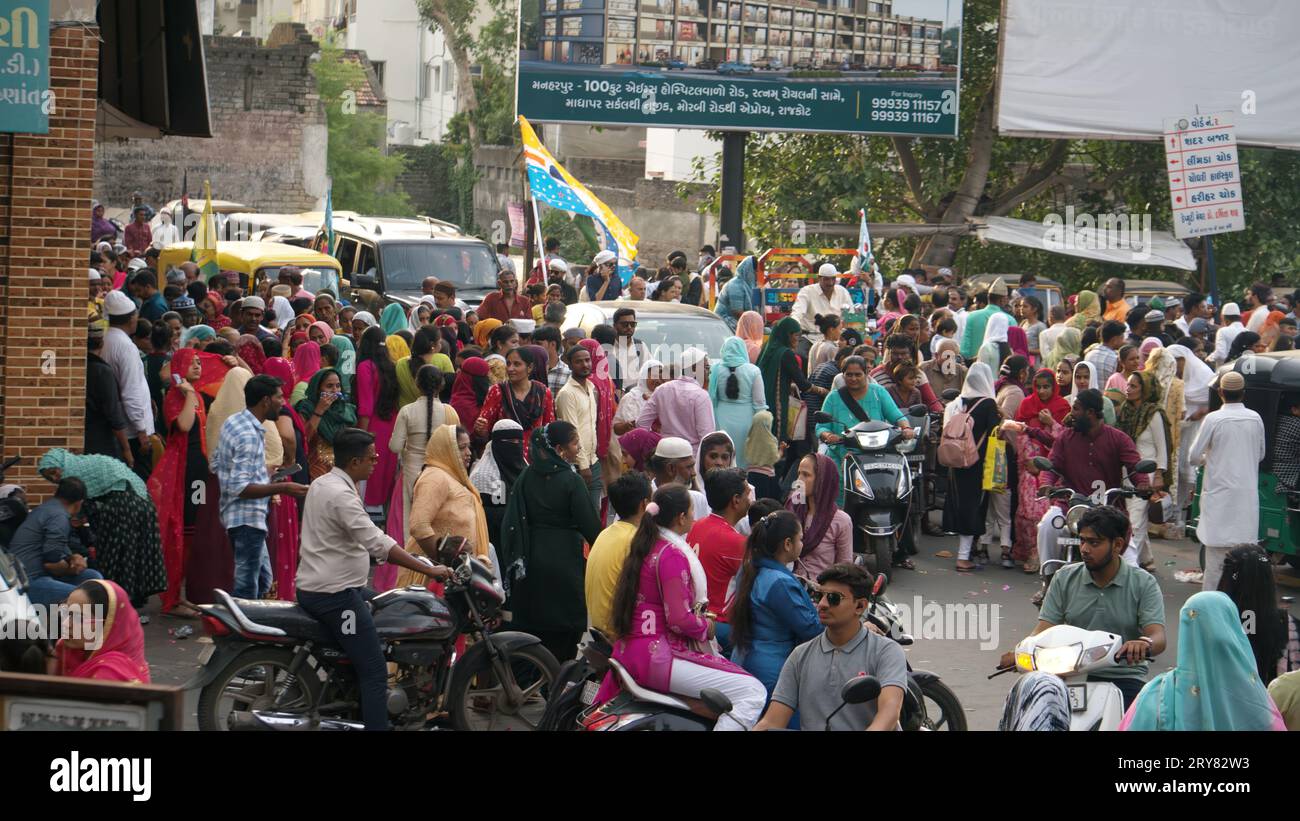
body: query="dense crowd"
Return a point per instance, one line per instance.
(616, 486)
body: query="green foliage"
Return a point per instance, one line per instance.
(824, 177)
(364, 176)
(575, 243)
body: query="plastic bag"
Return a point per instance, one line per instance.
(995, 465)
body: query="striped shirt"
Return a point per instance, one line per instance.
(240, 461)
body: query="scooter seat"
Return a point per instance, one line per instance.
(640, 693)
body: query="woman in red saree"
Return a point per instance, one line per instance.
(611, 464)
(282, 537)
(107, 643)
(183, 468)
(1041, 414)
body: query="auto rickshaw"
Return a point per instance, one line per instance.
(257, 261)
(1049, 291)
(1272, 386)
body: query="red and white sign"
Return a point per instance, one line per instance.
(1204, 175)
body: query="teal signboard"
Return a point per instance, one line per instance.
(668, 100)
(837, 66)
(25, 96)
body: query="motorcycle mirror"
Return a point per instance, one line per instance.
(715, 701)
(1145, 466)
(882, 581)
(860, 690)
(822, 418)
(1042, 463)
(917, 410)
(950, 394)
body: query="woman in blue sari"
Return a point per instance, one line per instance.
(736, 388)
(858, 394)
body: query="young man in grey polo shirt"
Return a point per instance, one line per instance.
(811, 679)
(1106, 593)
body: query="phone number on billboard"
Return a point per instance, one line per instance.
(904, 110)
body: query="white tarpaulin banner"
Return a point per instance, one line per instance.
(1130, 243)
(1114, 69)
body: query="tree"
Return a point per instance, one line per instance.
(455, 19)
(363, 176)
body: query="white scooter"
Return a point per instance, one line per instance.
(1073, 653)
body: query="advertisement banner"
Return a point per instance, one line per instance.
(839, 66)
(25, 96)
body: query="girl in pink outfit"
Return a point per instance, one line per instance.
(664, 633)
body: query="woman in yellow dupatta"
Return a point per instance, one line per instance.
(1087, 308)
(444, 501)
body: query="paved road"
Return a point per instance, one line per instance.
(962, 663)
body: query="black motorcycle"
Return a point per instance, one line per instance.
(273, 666)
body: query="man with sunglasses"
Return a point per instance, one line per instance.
(1104, 592)
(814, 673)
(629, 352)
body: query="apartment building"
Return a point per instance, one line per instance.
(820, 32)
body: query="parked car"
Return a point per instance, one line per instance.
(675, 63)
(803, 64)
(707, 64)
(1144, 290)
(667, 328)
(386, 260)
(735, 67)
(768, 64)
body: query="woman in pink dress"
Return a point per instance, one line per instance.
(377, 405)
(1041, 414)
(107, 643)
(664, 631)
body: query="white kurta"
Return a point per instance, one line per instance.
(1230, 444)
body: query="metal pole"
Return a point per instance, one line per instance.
(733, 191)
(1209, 263)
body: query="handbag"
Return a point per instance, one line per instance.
(995, 465)
(797, 410)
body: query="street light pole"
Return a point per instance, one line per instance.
(733, 191)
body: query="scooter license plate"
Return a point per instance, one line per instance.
(916, 459)
(1068, 540)
(1078, 694)
(206, 654)
(589, 692)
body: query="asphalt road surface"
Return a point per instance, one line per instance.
(1002, 599)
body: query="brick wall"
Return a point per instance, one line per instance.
(45, 189)
(269, 134)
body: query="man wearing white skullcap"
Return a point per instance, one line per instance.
(826, 297)
(123, 357)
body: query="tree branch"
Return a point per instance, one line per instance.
(1032, 183)
(912, 173)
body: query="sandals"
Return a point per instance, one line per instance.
(183, 611)
(906, 564)
(1007, 561)
(974, 568)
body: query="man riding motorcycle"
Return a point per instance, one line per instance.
(1104, 592)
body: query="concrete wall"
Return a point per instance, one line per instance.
(269, 143)
(652, 208)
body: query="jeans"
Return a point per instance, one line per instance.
(252, 562)
(1128, 686)
(45, 590)
(346, 616)
(594, 488)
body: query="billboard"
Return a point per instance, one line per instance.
(841, 66)
(1115, 69)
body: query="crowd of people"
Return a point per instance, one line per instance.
(259, 438)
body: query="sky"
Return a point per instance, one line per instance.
(947, 10)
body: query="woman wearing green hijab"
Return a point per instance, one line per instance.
(393, 319)
(325, 411)
(122, 517)
(736, 388)
(1215, 685)
(547, 519)
(1069, 343)
(347, 366)
(1087, 308)
(781, 371)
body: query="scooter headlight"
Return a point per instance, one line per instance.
(1073, 516)
(873, 440)
(1058, 660)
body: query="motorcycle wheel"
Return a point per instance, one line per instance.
(235, 688)
(880, 553)
(942, 709)
(478, 707)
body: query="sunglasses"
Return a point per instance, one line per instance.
(833, 599)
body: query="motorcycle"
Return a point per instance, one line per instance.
(877, 482)
(1073, 653)
(923, 687)
(1077, 505)
(272, 666)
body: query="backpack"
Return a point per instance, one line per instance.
(957, 445)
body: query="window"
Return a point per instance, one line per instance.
(466, 265)
(572, 5)
(588, 53)
(346, 254)
(448, 76)
(550, 26)
(378, 65)
(571, 26)
(366, 263)
(622, 29)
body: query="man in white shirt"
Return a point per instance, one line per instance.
(124, 358)
(166, 233)
(1230, 445)
(957, 304)
(1047, 339)
(1228, 333)
(338, 541)
(823, 298)
(1194, 307)
(576, 403)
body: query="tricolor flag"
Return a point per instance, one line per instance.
(865, 260)
(204, 252)
(328, 225)
(556, 187)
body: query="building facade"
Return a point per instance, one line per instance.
(802, 33)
